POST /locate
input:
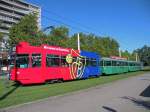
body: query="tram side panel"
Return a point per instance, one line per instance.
(91, 66)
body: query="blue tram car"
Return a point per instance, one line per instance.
(91, 63)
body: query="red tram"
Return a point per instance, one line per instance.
(37, 64)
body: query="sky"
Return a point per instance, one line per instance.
(127, 21)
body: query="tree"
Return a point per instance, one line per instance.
(62, 32)
(144, 54)
(59, 36)
(25, 30)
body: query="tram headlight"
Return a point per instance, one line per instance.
(18, 73)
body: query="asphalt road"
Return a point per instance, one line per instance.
(128, 95)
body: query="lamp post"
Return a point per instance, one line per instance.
(48, 27)
(119, 52)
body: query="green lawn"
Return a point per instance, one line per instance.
(13, 95)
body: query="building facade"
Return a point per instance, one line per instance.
(11, 11)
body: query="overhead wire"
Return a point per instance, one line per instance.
(71, 20)
(66, 18)
(58, 21)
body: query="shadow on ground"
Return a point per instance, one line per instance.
(15, 86)
(138, 102)
(109, 109)
(146, 92)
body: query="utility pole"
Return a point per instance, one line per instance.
(136, 54)
(79, 42)
(119, 52)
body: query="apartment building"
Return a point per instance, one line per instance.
(11, 11)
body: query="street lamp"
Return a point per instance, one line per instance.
(47, 28)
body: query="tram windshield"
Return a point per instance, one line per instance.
(22, 60)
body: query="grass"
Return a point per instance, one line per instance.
(11, 94)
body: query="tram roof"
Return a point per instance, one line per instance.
(110, 59)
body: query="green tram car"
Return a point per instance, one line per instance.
(115, 66)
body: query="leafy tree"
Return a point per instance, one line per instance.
(105, 46)
(61, 32)
(25, 30)
(144, 54)
(126, 54)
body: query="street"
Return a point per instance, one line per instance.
(127, 95)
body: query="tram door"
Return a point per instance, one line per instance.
(52, 66)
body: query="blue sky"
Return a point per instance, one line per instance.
(128, 21)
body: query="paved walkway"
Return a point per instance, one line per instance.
(128, 95)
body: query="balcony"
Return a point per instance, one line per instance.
(4, 18)
(10, 14)
(14, 9)
(4, 31)
(5, 6)
(15, 4)
(6, 25)
(20, 10)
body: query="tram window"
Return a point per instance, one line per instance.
(117, 63)
(125, 63)
(107, 63)
(83, 60)
(114, 63)
(36, 60)
(121, 63)
(64, 62)
(131, 64)
(87, 61)
(22, 60)
(93, 62)
(52, 60)
(101, 63)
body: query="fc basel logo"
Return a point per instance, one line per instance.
(77, 65)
